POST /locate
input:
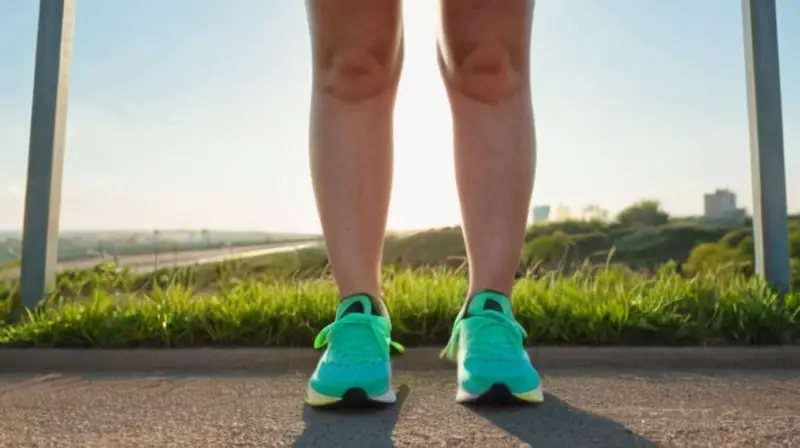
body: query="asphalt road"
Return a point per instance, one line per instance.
(582, 409)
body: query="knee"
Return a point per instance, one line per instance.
(357, 74)
(488, 72)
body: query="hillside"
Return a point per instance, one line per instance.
(641, 239)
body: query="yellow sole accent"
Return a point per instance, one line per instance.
(313, 398)
(534, 396)
(316, 399)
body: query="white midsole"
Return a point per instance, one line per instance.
(315, 398)
(534, 396)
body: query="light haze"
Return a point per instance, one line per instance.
(194, 114)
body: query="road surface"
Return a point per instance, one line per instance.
(583, 409)
(147, 263)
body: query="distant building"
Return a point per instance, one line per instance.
(563, 213)
(541, 214)
(594, 213)
(721, 206)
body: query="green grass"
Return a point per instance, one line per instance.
(599, 306)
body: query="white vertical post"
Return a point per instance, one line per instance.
(770, 220)
(46, 151)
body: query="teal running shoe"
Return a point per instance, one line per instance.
(355, 369)
(487, 344)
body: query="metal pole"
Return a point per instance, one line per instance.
(46, 151)
(770, 219)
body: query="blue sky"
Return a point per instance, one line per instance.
(194, 113)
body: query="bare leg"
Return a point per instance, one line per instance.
(357, 54)
(484, 56)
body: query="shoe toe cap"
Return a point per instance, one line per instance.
(333, 380)
(476, 376)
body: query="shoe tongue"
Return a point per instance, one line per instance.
(360, 304)
(489, 301)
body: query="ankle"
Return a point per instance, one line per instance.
(473, 292)
(487, 299)
(497, 286)
(378, 303)
(491, 292)
(372, 289)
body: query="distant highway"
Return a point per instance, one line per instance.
(149, 262)
(213, 256)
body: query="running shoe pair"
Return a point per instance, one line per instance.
(486, 343)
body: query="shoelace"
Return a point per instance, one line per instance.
(351, 347)
(490, 347)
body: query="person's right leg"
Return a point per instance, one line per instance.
(357, 57)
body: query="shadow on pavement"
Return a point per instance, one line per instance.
(557, 424)
(370, 429)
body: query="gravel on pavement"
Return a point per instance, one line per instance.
(583, 408)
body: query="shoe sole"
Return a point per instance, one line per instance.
(354, 398)
(500, 395)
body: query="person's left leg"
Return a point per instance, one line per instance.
(484, 59)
